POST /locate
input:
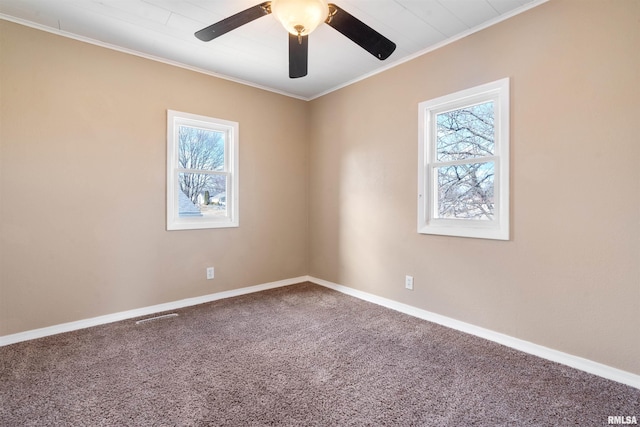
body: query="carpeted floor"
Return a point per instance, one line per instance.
(301, 355)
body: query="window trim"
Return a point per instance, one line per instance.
(231, 129)
(499, 227)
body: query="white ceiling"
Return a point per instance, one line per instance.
(257, 53)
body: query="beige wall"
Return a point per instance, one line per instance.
(80, 124)
(569, 278)
(83, 161)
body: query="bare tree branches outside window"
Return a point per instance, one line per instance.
(465, 185)
(202, 172)
(463, 166)
(201, 154)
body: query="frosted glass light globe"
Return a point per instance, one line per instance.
(300, 17)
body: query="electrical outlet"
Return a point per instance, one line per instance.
(408, 282)
(210, 273)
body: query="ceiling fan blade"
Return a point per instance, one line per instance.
(234, 21)
(298, 55)
(360, 33)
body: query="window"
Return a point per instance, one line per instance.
(202, 172)
(463, 187)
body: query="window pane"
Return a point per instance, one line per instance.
(465, 133)
(200, 149)
(202, 195)
(465, 191)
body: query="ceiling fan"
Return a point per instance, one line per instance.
(301, 17)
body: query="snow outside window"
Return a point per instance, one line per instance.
(202, 172)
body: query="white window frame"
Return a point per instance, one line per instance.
(428, 223)
(175, 119)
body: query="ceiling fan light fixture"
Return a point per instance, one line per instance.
(300, 17)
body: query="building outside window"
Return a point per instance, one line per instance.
(202, 172)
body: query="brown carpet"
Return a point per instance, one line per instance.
(298, 355)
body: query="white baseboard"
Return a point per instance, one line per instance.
(576, 362)
(145, 311)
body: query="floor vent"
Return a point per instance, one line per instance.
(164, 316)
